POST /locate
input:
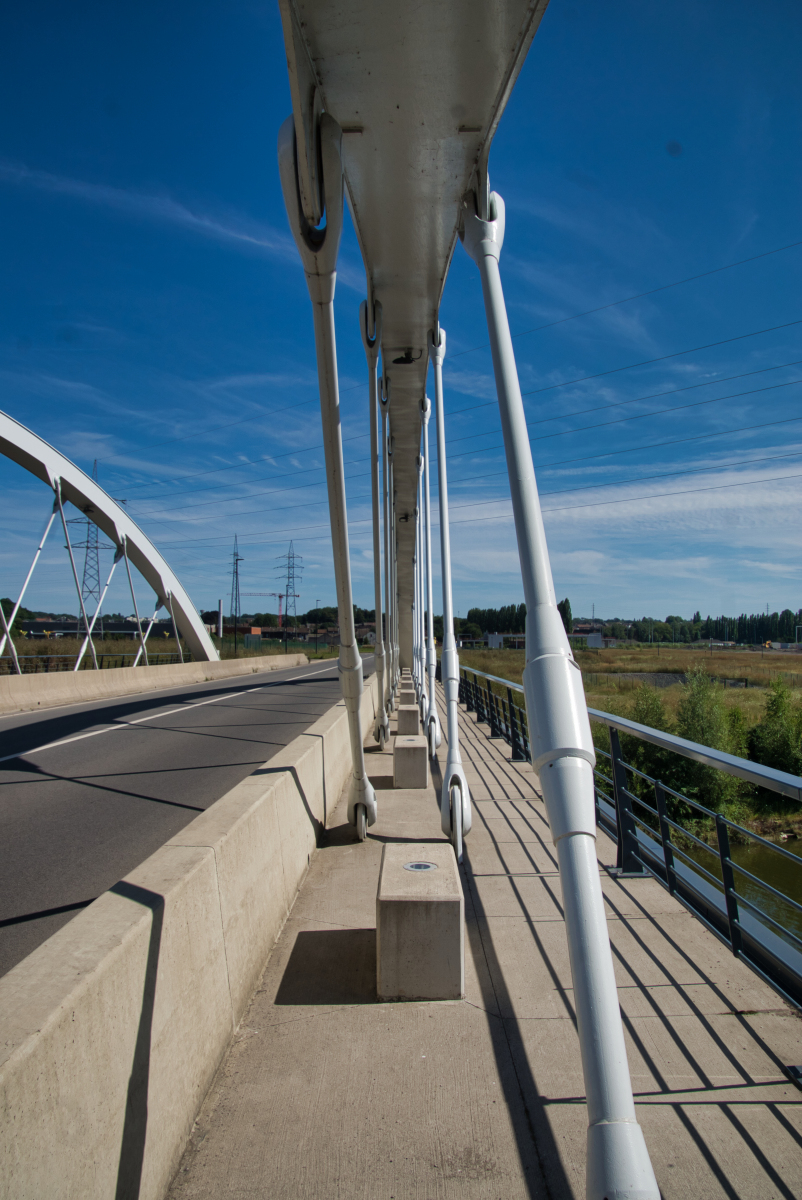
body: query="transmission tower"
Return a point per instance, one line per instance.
(292, 569)
(235, 596)
(90, 584)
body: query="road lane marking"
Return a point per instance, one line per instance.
(155, 716)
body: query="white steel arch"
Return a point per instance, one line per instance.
(69, 482)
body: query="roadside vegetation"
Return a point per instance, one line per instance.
(762, 722)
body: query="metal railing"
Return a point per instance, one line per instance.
(34, 664)
(506, 719)
(760, 923)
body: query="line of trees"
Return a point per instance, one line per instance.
(748, 628)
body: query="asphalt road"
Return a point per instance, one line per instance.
(123, 777)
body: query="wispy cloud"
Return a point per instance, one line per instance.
(231, 227)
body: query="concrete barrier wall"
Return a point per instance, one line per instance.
(20, 693)
(113, 1029)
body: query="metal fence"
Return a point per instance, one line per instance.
(760, 923)
(34, 664)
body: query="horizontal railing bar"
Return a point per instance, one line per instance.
(495, 678)
(780, 895)
(764, 841)
(768, 777)
(637, 800)
(687, 833)
(717, 883)
(640, 774)
(764, 916)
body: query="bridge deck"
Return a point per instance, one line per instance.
(328, 1094)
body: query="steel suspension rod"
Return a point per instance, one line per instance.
(618, 1163)
(372, 347)
(453, 775)
(318, 248)
(432, 720)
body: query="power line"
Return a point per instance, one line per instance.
(250, 495)
(190, 437)
(657, 495)
(579, 412)
(653, 496)
(638, 416)
(248, 463)
(637, 479)
(536, 391)
(638, 296)
(545, 466)
(647, 362)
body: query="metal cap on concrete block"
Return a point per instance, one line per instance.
(410, 761)
(420, 923)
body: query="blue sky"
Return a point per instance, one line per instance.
(154, 314)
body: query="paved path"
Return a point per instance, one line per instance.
(125, 776)
(327, 1095)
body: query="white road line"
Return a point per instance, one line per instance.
(154, 716)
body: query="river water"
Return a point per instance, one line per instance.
(782, 873)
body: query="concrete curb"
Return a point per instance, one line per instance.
(113, 1029)
(20, 693)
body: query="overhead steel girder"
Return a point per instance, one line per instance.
(38, 457)
(418, 92)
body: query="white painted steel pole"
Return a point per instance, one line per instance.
(393, 568)
(318, 249)
(133, 601)
(11, 646)
(39, 549)
(88, 638)
(387, 699)
(220, 619)
(432, 720)
(175, 629)
(372, 346)
(453, 775)
(143, 648)
(420, 660)
(74, 569)
(618, 1164)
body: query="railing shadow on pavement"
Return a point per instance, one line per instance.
(652, 841)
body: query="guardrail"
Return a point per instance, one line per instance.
(35, 664)
(760, 923)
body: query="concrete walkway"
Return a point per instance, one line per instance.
(327, 1095)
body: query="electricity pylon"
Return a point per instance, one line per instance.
(292, 570)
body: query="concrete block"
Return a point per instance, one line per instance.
(408, 718)
(420, 923)
(410, 761)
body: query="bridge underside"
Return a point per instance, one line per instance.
(410, 154)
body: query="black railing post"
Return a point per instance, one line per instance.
(469, 703)
(626, 862)
(492, 714)
(518, 754)
(478, 699)
(665, 836)
(728, 879)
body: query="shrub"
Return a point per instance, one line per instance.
(701, 717)
(776, 741)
